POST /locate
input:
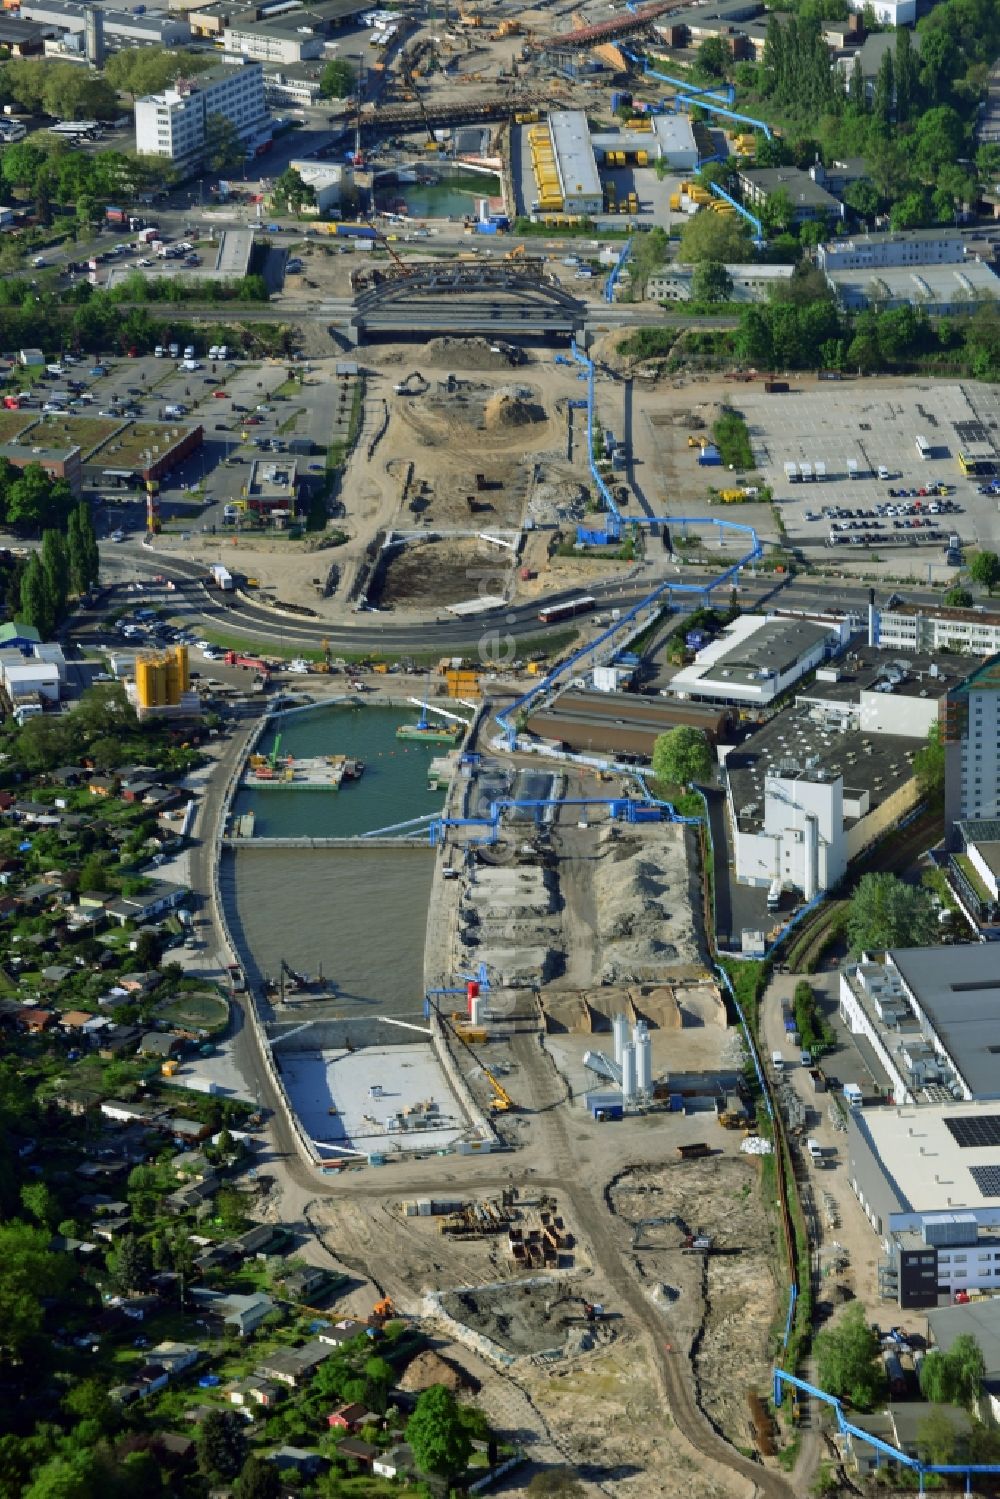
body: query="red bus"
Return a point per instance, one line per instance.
(555, 612)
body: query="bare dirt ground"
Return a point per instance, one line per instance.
(719, 1307)
(435, 573)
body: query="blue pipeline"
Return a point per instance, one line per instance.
(848, 1428)
(725, 95)
(752, 220)
(698, 98)
(616, 270)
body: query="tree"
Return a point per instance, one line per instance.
(88, 1400)
(711, 282)
(884, 912)
(958, 597)
(441, 1445)
(40, 1203)
(984, 569)
(884, 96)
(93, 874)
(35, 606)
(29, 1273)
(258, 1480)
(857, 92)
(682, 755)
(937, 1437)
(864, 198)
(222, 1447)
(848, 1359)
(223, 150)
(712, 236)
(129, 1264)
(954, 1377)
(55, 565)
(906, 76)
(292, 191)
(337, 80)
(713, 58)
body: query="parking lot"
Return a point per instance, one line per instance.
(871, 427)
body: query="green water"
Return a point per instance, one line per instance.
(392, 789)
(454, 194)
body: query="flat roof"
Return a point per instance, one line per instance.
(791, 738)
(958, 990)
(674, 132)
(942, 612)
(981, 1319)
(921, 674)
(855, 242)
(982, 678)
(752, 647)
(922, 1161)
(930, 281)
(798, 184)
(31, 453)
(574, 152)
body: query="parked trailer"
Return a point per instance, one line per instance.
(352, 231)
(695, 1151)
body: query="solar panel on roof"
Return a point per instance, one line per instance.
(987, 1179)
(977, 1130)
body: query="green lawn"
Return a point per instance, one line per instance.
(973, 876)
(196, 1011)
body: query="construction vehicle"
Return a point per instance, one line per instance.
(501, 1102)
(169, 1067)
(382, 1311)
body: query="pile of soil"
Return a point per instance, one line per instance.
(429, 1368)
(505, 409)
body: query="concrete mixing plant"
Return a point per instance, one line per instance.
(643, 1046)
(162, 684)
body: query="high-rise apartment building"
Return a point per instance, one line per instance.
(969, 723)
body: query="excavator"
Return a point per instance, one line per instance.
(382, 1311)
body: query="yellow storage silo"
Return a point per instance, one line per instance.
(151, 681)
(180, 653)
(172, 676)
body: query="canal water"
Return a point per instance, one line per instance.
(359, 915)
(453, 194)
(392, 789)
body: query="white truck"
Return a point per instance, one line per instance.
(774, 897)
(222, 577)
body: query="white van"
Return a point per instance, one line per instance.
(777, 1061)
(883, 472)
(814, 1148)
(189, 351)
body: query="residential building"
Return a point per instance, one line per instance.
(757, 658)
(395, 1462)
(809, 200)
(969, 726)
(908, 248)
(272, 44)
(244, 1313)
(176, 1357)
(15, 635)
(173, 124)
(889, 12)
(869, 55)
(751, 283)
(295, 1366)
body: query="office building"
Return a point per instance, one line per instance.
(915, 627)
(808, 198)
(273, 44)
(173, 124)
(969, 726)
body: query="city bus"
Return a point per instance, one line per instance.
(555, 612)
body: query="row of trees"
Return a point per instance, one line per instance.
(68, 563)
(64, 89)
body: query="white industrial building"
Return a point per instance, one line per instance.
(751, 283)
(815, 786)
(26, 676)
(576, 164)
(939, 289)
(758, 657)
(909, 247)
(670, 139)
(889, 12)
(120, 28)
(328, 181)
(172, 124)
(273, 44)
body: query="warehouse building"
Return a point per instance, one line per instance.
(756, 658)
(575, 162)
(58, 463)
(751, 283)
(939, 290)
(622, 722)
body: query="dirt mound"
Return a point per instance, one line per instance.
(505, 409)
(430, 1368)
(465, 354)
